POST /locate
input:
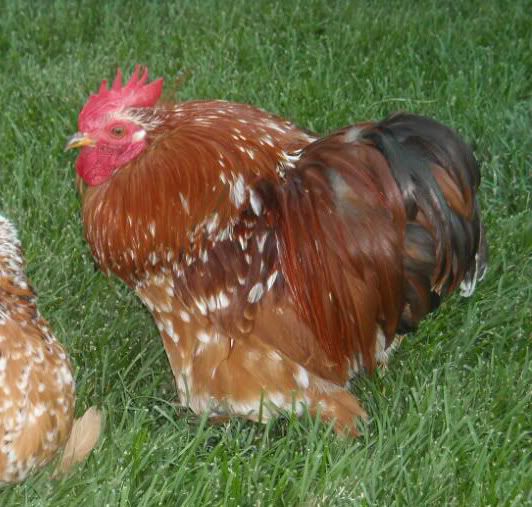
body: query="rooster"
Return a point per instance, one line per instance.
(36, 382)
(276, 265)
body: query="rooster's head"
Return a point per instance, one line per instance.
(113, 124)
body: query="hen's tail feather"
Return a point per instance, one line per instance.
(83, 438)
(438, 177)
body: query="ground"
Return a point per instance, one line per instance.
(450, 419)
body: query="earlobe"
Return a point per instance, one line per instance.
(138, 136)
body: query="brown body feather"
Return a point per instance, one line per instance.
(36, 383)
(277, 267)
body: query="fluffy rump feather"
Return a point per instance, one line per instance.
(82, 440)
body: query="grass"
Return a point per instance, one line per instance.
(451, 418)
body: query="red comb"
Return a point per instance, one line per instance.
(135, 93)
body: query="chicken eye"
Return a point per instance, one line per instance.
(118, 132)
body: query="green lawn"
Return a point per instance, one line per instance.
(451, 419)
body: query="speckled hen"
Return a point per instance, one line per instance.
(276, 265)
(36, 382)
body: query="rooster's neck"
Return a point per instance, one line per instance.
(192, 188)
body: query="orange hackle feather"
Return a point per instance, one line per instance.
(278, 265)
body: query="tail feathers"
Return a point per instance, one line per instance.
(477, 274)
(83, 438)
(383, 219)
(438, 177)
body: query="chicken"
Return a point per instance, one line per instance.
(36, 382)
(276, 265)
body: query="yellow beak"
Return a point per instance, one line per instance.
(79, 140)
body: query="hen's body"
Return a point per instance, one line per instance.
(36, 384)
(277, 267)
